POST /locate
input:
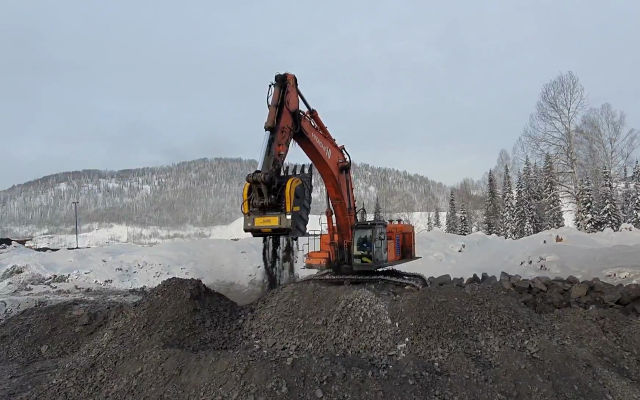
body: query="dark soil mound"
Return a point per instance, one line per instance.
(483, 340)
(38, 334)
(185, 314)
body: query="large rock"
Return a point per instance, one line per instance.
(489, 280)
(522, 285)
(506, 284)
(442, 280)
(573, 280)
(629, 293)
(633, 307)
(538, 284)
(579, 290)
(556, 298)
(473, 279)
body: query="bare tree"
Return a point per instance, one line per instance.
(504, 159)
(553, 126)
(605, 141)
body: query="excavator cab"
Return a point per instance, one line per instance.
(369, 244)
(378, 244)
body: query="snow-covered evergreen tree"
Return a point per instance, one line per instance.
(523, 209)
(609, 214)
(626, 207)
(635, 201)
(579, 212)
(535, 188)
(585, 216)
(429, 222)
(508, 204)
(492, 208)
(436, 218)
(465, 225)
(551, 197)
(452, 216)
(377, 212)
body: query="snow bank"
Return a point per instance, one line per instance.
(610, 256)
(234, 266)
(94, 235)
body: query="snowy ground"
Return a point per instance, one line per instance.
(92, 235)
(231, 263)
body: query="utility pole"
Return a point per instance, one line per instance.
(75, 206)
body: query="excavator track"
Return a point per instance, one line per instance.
(387, 275)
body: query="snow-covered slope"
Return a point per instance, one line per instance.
(611, 256)
(233, 266)
(199, 193)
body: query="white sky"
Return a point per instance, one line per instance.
(435, 88)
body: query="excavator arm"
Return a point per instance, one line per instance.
(263, 203)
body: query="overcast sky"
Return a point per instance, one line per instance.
(435, 88)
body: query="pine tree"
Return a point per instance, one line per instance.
(492, 208)
(528, 212)
(436, 218)
(579, 215)
(452, 217)
(626, 208)
(635, 201)
(465, 226)
(585, 218)
(523, 209)
(609, 214)
(508, 215)
(429, 222)
(534, 186)
(377, 212)
(551, 198)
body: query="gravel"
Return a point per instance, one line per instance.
(486, 339)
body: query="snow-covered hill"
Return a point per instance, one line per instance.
(189, 197)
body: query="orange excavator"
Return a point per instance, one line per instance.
(277, 202)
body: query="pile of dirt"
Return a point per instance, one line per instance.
(185, 314)
(481, 340)
(296, 319)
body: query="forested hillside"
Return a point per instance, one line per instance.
(200, 193)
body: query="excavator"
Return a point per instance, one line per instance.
(276, 199)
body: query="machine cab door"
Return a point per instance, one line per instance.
(369, 245)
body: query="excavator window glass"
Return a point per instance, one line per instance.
(363, 252)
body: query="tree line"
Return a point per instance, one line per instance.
(586, 153)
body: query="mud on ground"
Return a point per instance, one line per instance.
(486, 339)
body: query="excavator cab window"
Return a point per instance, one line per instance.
(364, 247)
(369, 243)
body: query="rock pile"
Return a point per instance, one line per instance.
(486, 338)
(544, 294)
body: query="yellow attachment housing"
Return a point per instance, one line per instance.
(289, 194)
(245, 199)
